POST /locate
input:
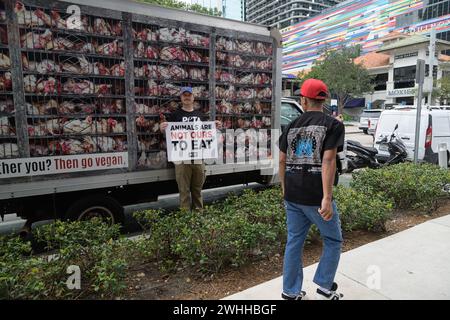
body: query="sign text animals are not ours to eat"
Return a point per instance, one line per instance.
(191, 141)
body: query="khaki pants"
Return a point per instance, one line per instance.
(190, 180)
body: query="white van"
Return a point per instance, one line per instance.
(372, 125)
(369, 119)
(434, 129)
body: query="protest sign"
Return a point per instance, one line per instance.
(11, 168)
(191, 141)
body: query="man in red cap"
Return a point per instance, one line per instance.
(308, 149)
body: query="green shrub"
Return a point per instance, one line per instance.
(61, 234)
(409, 186)
(362, 211)
(89, 245)
(242, 227)
(227, 233)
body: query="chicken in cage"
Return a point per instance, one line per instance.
(146, 34)
(235, 61)
(5, 82)
(223, 43)
(3, 35)
(115, 106)
(197, 74)
(6, 105)
(246, 93)
(264, 49)
(43, 107)
(9, 150)
(153, 160)
(264, 64)
(246, 79)
(226, 92)
(141, 108)
(177, 35)
(144, 124)
(197, 40)
(224, 107)
(5, 61)
(6, 128)
(262, 79)
(224, 76)
(38, 17)
(244, 46)
(174, 54)
(265, 93)
(146, 51)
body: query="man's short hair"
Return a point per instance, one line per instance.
(315, 102)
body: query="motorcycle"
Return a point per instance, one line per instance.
(366, 157)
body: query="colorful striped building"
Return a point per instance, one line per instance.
(361, 22)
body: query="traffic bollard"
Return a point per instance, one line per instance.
(443, 159)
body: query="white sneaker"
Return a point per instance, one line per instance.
(333, 295)
(301, 296)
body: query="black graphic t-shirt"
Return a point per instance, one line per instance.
(181, 115)
(304, 141)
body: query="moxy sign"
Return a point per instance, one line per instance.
(401, 93)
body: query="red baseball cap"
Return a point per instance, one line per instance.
(314, 89)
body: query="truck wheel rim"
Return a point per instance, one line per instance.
(97, 212)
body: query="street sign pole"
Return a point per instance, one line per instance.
(432, 53)
(420, 77)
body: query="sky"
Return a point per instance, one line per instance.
(234, 6)
(206, 3)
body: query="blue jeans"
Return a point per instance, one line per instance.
(299, 220)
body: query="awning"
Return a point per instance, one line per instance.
(356, 103)
(377, 103)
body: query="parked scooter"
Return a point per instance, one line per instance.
(359, 156)
(366, 157)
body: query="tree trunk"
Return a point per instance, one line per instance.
(342, 101)
(341, 105)
(341, 108)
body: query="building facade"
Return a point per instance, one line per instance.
(393, 68)
(284, 13)
(233, 9)
(364, 23)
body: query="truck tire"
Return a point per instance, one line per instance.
(104, 207)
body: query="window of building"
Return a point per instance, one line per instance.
(380, 81)
(427, 71)
(407, 101)
(434, 9)
(404, 77)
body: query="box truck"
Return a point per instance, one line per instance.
(85, 84)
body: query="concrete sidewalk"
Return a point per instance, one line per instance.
(411, 265)
(352, 128)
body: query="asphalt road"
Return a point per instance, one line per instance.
(353, 133)
(13, 224)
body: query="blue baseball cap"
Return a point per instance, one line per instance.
(186, 89)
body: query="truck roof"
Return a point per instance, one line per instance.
(178, 14)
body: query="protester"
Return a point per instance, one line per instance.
(309, 146)
(190, 175)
